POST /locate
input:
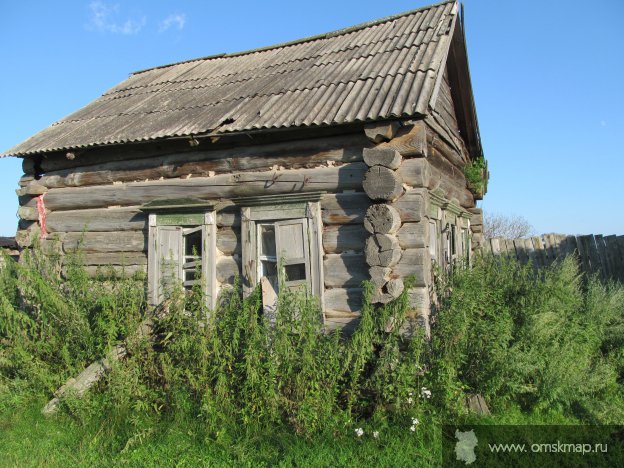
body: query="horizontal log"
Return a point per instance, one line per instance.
(112, 258)
(419, 301)
(227, 269)
(416, 263)
(344, 208)
(342, 300)
(123, 241)
(345, 325)
(450, 189)
(436, 137)
(168, 153)
(389, 158)
(348, 237)
(413, 235)
(329, 179)
(97, 220)
(33, 189)
(381, 131)
(195, 164)
(415, 173)
(112, 271)
(454, 174)
(410, 141)
(412, 206)
(28, 213)
(25, 180)
(229, 241)
(344, 270)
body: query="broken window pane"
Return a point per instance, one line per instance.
(296, 272)
(267, 240)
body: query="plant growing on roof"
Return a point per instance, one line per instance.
(477, 175)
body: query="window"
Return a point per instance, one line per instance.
(281, 238)
(181, 248)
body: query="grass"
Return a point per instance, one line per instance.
(30, 439)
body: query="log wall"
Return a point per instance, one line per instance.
(94, 203)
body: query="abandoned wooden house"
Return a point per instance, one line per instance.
(341, 157)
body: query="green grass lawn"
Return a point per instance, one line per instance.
(30, 439)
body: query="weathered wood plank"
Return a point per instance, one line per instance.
(97, 220)
(196, 164)
(348, 237)
(344, 208)
(416, 263)
(172, 153)
(413, 235)
(410, 141)
(113, 258)
(343, 300)
(112, 271)
(345, 270)
(330, 179)
(123, 241)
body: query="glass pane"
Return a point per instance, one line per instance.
(267, 240)
(193, 244)
(296, 272)
(269, 269)
(189, 275)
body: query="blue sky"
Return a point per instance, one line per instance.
(547, 78)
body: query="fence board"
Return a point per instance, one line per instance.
(596, 254)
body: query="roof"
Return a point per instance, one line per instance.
(374, 71)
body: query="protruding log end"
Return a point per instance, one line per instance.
(386, 157)
(382, 219)
(383, 184)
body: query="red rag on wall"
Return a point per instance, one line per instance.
(42, 216)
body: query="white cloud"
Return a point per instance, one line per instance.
(104, 19)
(176, 20)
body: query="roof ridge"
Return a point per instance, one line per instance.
(327, 35)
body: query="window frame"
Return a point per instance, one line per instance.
(277, 211)
(188, 218)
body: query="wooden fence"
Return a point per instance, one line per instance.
(599, 254)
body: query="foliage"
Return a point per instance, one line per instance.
(235, 386)
(508, 226)
(538, 339)
(476, 175)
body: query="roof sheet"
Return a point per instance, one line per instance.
(379, 70)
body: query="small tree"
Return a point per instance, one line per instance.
(509, 226)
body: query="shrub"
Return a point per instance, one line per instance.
(538, 339)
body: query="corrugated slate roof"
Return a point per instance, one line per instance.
(378, 70)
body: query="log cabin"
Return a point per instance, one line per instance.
(321, 163)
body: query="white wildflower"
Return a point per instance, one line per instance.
(413, 428)
(415, 422)
(410, 400)
(359, 432)
(425, 393)
(376, 434)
